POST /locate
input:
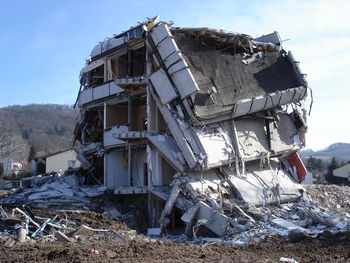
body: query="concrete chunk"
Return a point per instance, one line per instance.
(216, 222)
(163, 86)
(282, 223)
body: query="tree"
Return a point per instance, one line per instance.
(320, 165)
(310, 163)
(1, 170)
(32, 154)
(332, 165)
(313, 164)
(25, 134)
(41, 168)
(7, 141)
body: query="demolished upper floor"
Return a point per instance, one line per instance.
(216, 74)
(220, 95)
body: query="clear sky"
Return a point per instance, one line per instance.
(44, 44)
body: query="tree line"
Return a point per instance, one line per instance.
(318, 165)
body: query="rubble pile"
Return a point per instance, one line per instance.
(333, 197)
(238, 222)
(21, 225)
(290, 220)
(6, 185)
(54, 192)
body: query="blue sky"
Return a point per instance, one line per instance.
(44, 44)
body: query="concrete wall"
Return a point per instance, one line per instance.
(343, 171)
(116, 169)
(138, 169)
(60, 161)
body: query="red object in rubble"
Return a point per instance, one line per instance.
(295, 161)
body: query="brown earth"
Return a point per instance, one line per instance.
(331, 249)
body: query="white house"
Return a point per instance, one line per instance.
(61, 161)
(343, 171)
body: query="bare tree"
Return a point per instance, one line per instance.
(7, 141)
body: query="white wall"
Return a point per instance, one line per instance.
(116, 169)
(60, 161)
(139, 159)
(343, 171)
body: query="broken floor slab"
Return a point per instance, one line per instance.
(212, 219)
(287, 225)
(168, 148)
(264, 185)
(52, 192)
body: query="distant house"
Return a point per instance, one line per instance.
(9, 167)
(61, 161)
(55, 162)
(342, 173)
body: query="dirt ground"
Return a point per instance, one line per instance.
(329, 249)
(107, 248)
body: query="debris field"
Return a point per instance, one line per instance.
(83, 236)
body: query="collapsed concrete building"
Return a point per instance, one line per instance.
(195, 120)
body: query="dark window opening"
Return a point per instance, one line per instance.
(97, 76)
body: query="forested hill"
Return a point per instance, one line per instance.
(46, 127)
(341, 151)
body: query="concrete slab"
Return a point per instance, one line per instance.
(216, 222)
(153, 231)
(264, 185)
(169, 150)
(163, 86)
(44, 195)
(282, 223)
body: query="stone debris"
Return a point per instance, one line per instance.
(50, 191)
(113, 214)
(242, 223)
(6, 185)
(21, 225)
(237, 222)
(289, 260)
(333, 197)
(234, 221)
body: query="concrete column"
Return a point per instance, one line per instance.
(131, 183)
(130, 112)
(130, 161)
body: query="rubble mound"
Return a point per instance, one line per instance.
(81, 217)
(333, 197)
(54, 192)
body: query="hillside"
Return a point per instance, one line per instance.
(339, 150)
(46, 127)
